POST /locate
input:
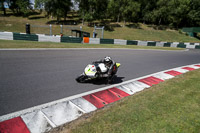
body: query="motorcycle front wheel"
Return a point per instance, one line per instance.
(81, 78)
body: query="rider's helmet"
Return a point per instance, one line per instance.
(107, 60)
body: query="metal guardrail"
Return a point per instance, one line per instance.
(62, 28)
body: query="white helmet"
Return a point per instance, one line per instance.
(107, 59)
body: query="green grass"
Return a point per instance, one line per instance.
(149, 34)
(32, 44)
(113, 30)
(172, 106)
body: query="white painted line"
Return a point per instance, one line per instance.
(35, 49)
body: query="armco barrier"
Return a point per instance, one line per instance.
(163, 44)
(174, 44)
(181, 45)
(190, 45)
(27, 37)
(151, 43)
(160, 44)
(6, 35)
(129, 42)
(142, 43)
(71, 39)
(106, 41)
(44, 38)
(120, 42)
(167, 44)
(197, 47)
(94, 41)
(57, 38)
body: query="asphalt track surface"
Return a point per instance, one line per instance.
(32, 77)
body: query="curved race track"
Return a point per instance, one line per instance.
(33, 77)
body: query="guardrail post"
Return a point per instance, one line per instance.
(102, 31)
(80, 28)
(61, 29)
(50, 26)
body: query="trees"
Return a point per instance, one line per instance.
(90, 10)
(2, 7)
(129, 10)
(39, 4)
(56, 8)
(20, 6)
(114, 9)
(176, 13)
(194, 13)
(126, 10)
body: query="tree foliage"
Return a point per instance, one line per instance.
(92, 9)
(55, 8)
(20, 6)
(176, 13)
(2, 7)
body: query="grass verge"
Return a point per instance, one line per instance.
(31, 44)
(172, 106)
(132, 31)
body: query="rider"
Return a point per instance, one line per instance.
(110, 65)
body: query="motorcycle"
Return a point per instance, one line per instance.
(97, 71)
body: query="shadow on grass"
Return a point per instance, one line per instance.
(107, 25)
(134, 26)
(36, 17)
(64, 22)
(110, 27)
(161, 27)
(20, 14)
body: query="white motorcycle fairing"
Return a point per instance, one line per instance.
(90, 70)
(103, 68)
